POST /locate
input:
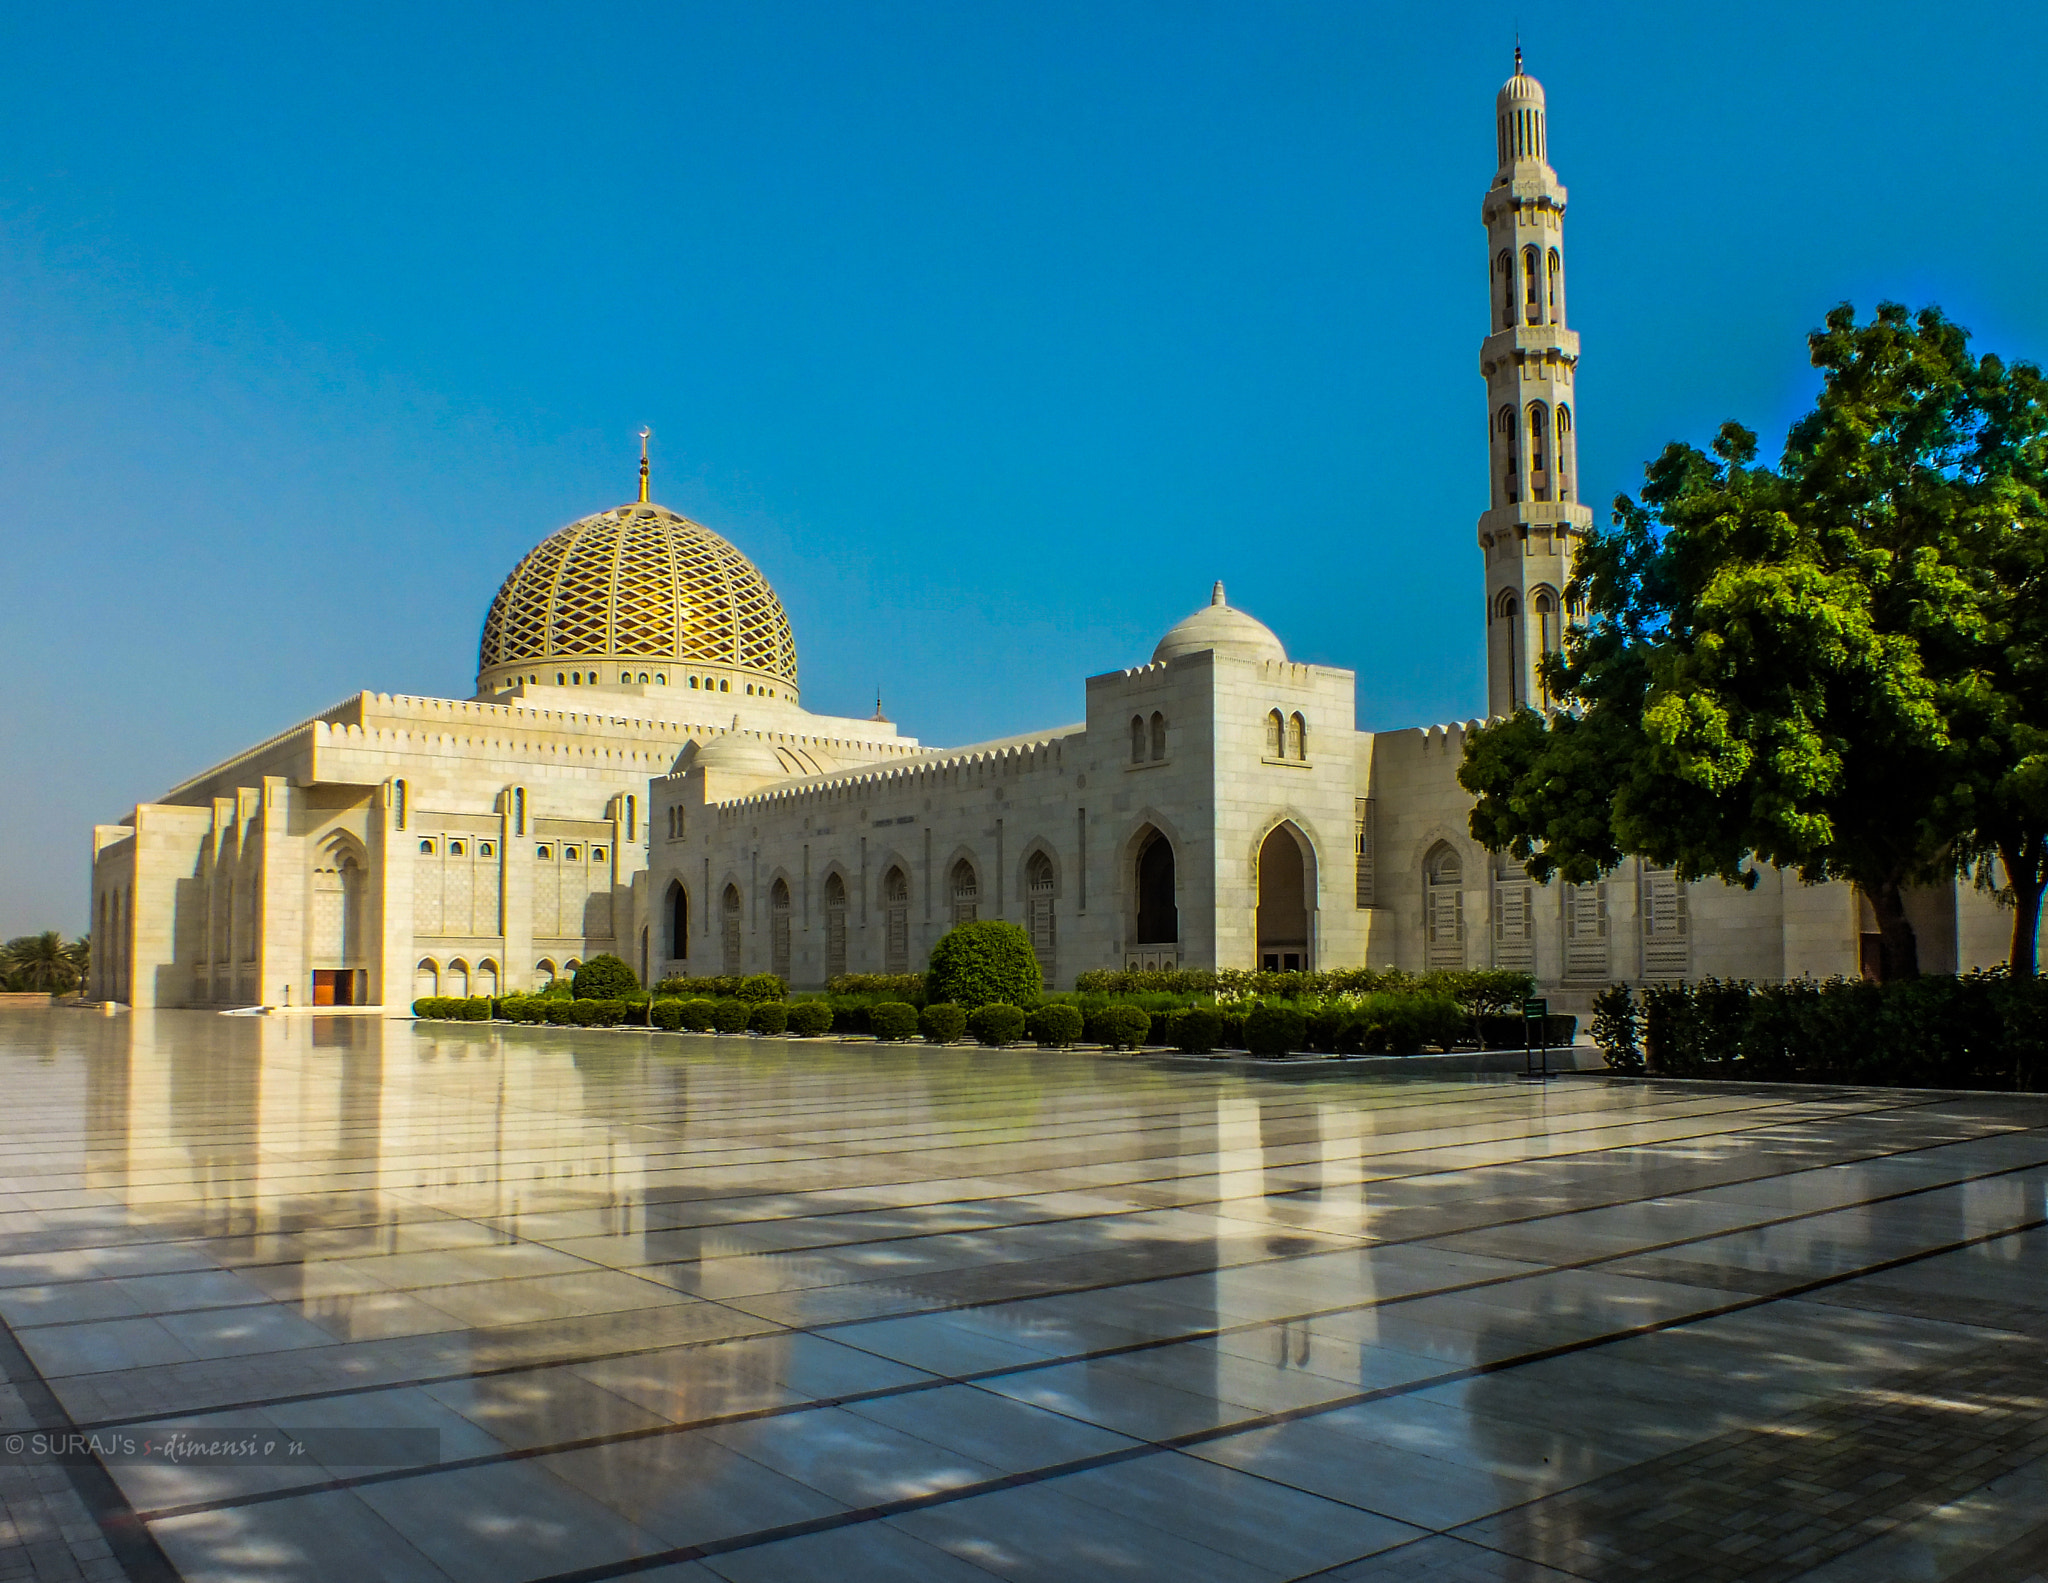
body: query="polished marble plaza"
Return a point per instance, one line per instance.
(764, 1310)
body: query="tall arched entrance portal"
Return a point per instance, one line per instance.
(1283, 903)
(1155, 936)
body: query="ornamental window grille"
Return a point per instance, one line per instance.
(778, 930)
(1666, 924)
(1362, 848)
(966, 888)
(1443, 908)
(835, 925)
(729, 932)
(896, 921)
(1040, 913)
(1585, 933)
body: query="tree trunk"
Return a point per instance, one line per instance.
(2023, 874)
(1898, 949)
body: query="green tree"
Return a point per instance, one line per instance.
(975, 964)
(605, 977)
(1809, 665)
(46, 962)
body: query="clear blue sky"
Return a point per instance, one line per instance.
(992, 332)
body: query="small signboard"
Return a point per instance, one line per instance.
(1536, 1036)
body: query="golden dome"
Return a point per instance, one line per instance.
(632, 588)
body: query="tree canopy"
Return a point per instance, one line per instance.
(1838, 665)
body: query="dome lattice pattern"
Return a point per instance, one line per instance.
(638, 582)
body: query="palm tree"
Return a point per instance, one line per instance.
(45, 962)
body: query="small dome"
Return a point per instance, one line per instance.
(1521, 91)
(1227, 631)
(735, 753)
(637, 586)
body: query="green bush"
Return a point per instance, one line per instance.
(697, 1014)
(668, 1014)
(557, 989)
(610, 1013)
(975, 964)
(995, 1023)
(895, 986)
(477, 1009)
(759, 987)
(1275, 1030)
(730, 1015)
(769, 1017)
(561, 1012)
(604, 977)
(1195, 1031)
(1232, 1034)
(1123, 1027)
(850, 1016)
(942, 1023)
(1614, 1028)
(1978, 1030)
(809, 1018)
(892, 1020)
(424, 1006)
(1055, 1025)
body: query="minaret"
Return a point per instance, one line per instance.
(1529, 529)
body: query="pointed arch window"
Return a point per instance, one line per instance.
(1137, 739)
(1276, 735)
(966, 888)
(1539, 451)
(1297, 735)
(1566, 461)
(1511, 472)
(1556, 264)
(1504, 266)
(835, 925)
(1532, 286)
(1040, 888)
(896, 921)
(778, 930)
(1158, 735)
(730, 932)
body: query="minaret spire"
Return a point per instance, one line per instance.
(645, 433)
(1530, 530)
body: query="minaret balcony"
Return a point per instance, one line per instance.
(1528, 343)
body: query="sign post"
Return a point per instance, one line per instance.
(1535, 1036)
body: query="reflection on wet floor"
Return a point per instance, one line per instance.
(692, 1308)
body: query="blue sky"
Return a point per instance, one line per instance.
(992, 332)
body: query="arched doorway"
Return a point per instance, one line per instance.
(896, 920)
(730, 932)
(835, 926)
(1283, 921)
(1039, 889)
(678, 918)
(1158, 921)
(966, 892)
(1443, 908)
(778, 930)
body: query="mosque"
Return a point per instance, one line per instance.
(636, 774)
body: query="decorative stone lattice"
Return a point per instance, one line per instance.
(638, 583)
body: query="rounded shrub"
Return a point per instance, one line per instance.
(668, 1014)
(1275, 1030)
(477, 1008)
(1195, 1031)
(604, 977)
(942, 1023)
(562, 1012)
(423, 1007)
(996, 1023)
(1055, 1025)
(892, 1020)
(609, 1013)
(1123, 1027)
(809, 1018)
(770, 1017)
(697, 1014)
(976, 963)
(583, 1013)
(1232, 1035)
(762, 986)
(850, 1016)
(730, 1016)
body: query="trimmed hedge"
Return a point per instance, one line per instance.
(943, 1023)
(668, 1014)
(697, 1014)
(1976, 1030)
(762, 987)
(1120, 1027)
(1477, 990)
(904, 986)
(1509, 1033)
(996, 1023)
(809, 1018)
(1055, 1025)
(1195, 1031)
(730, 1016)
(562, 1013)
(892, 1020)
(604, 977)
(975, 964)
(1275, 1030)
(769, 1017)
